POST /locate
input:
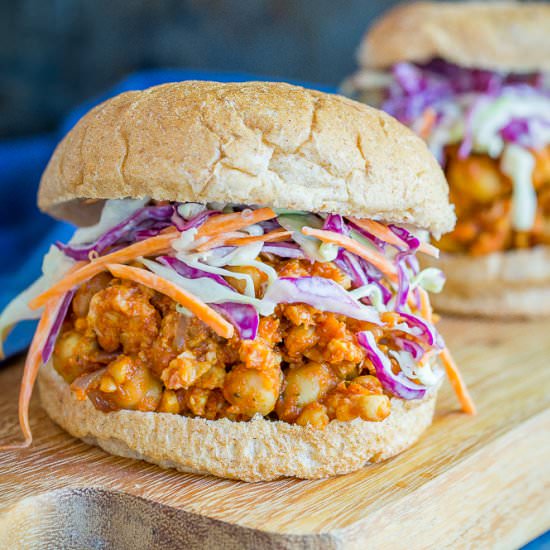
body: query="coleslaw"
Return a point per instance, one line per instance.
(171, 240)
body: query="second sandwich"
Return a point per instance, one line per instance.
(471, 79)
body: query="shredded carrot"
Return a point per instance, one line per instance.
(427, 121)
(459, 386)
(237, 238)
(429, 249)
(205, 313)
(453, 373)
(147, 247)
(386, 234)
(30, 371)
(234, 222)
(271, 237)
(390, 318)
(373, 257)
(425, 306)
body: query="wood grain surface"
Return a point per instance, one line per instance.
(482, 481)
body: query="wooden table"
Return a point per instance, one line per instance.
(469, 481)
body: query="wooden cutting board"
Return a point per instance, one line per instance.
(478, 482)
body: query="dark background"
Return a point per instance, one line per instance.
(56, 53)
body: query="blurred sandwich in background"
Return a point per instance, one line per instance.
(472, 80)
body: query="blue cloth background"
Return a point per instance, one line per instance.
(25, 233)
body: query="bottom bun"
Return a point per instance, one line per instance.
(512, 284)
(258, 450)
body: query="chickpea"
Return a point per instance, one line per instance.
(374, 407)
(212, 378)
(314, 415)
(258, 278)
(251, 391)
(541, 172)
(169, 402)
(299, 339)
(196, 399)
(305, 384)
(135, 387)
(355, 400)
(74, 354)
(107, 384)
(121, 369)
(477, 177)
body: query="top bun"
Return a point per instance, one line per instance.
(259, 143)
(500, 36)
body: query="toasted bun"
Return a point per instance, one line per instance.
(258, 450)
(501, 36)
(514, 284)
(255, 143)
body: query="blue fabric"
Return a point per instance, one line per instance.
(542, 543)
(25, 233)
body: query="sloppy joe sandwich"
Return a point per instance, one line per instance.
(472, 80)
(245, 298)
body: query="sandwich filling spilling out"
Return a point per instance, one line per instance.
(226, 311)
(491, 133)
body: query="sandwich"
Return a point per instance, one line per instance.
(243, 297)
(472, 80)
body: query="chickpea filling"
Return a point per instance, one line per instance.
(483, 198)
(125, 346)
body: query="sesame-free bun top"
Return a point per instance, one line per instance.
(261, 143)
(500, 36)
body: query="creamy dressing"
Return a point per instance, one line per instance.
(372, 292)
(314, 248)
(423, 373)
(249, 283)
(430, 279)
(208, 290)
(114, 211)
(490, 120)
(54, 266)
(486, 120)
(518, 164)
